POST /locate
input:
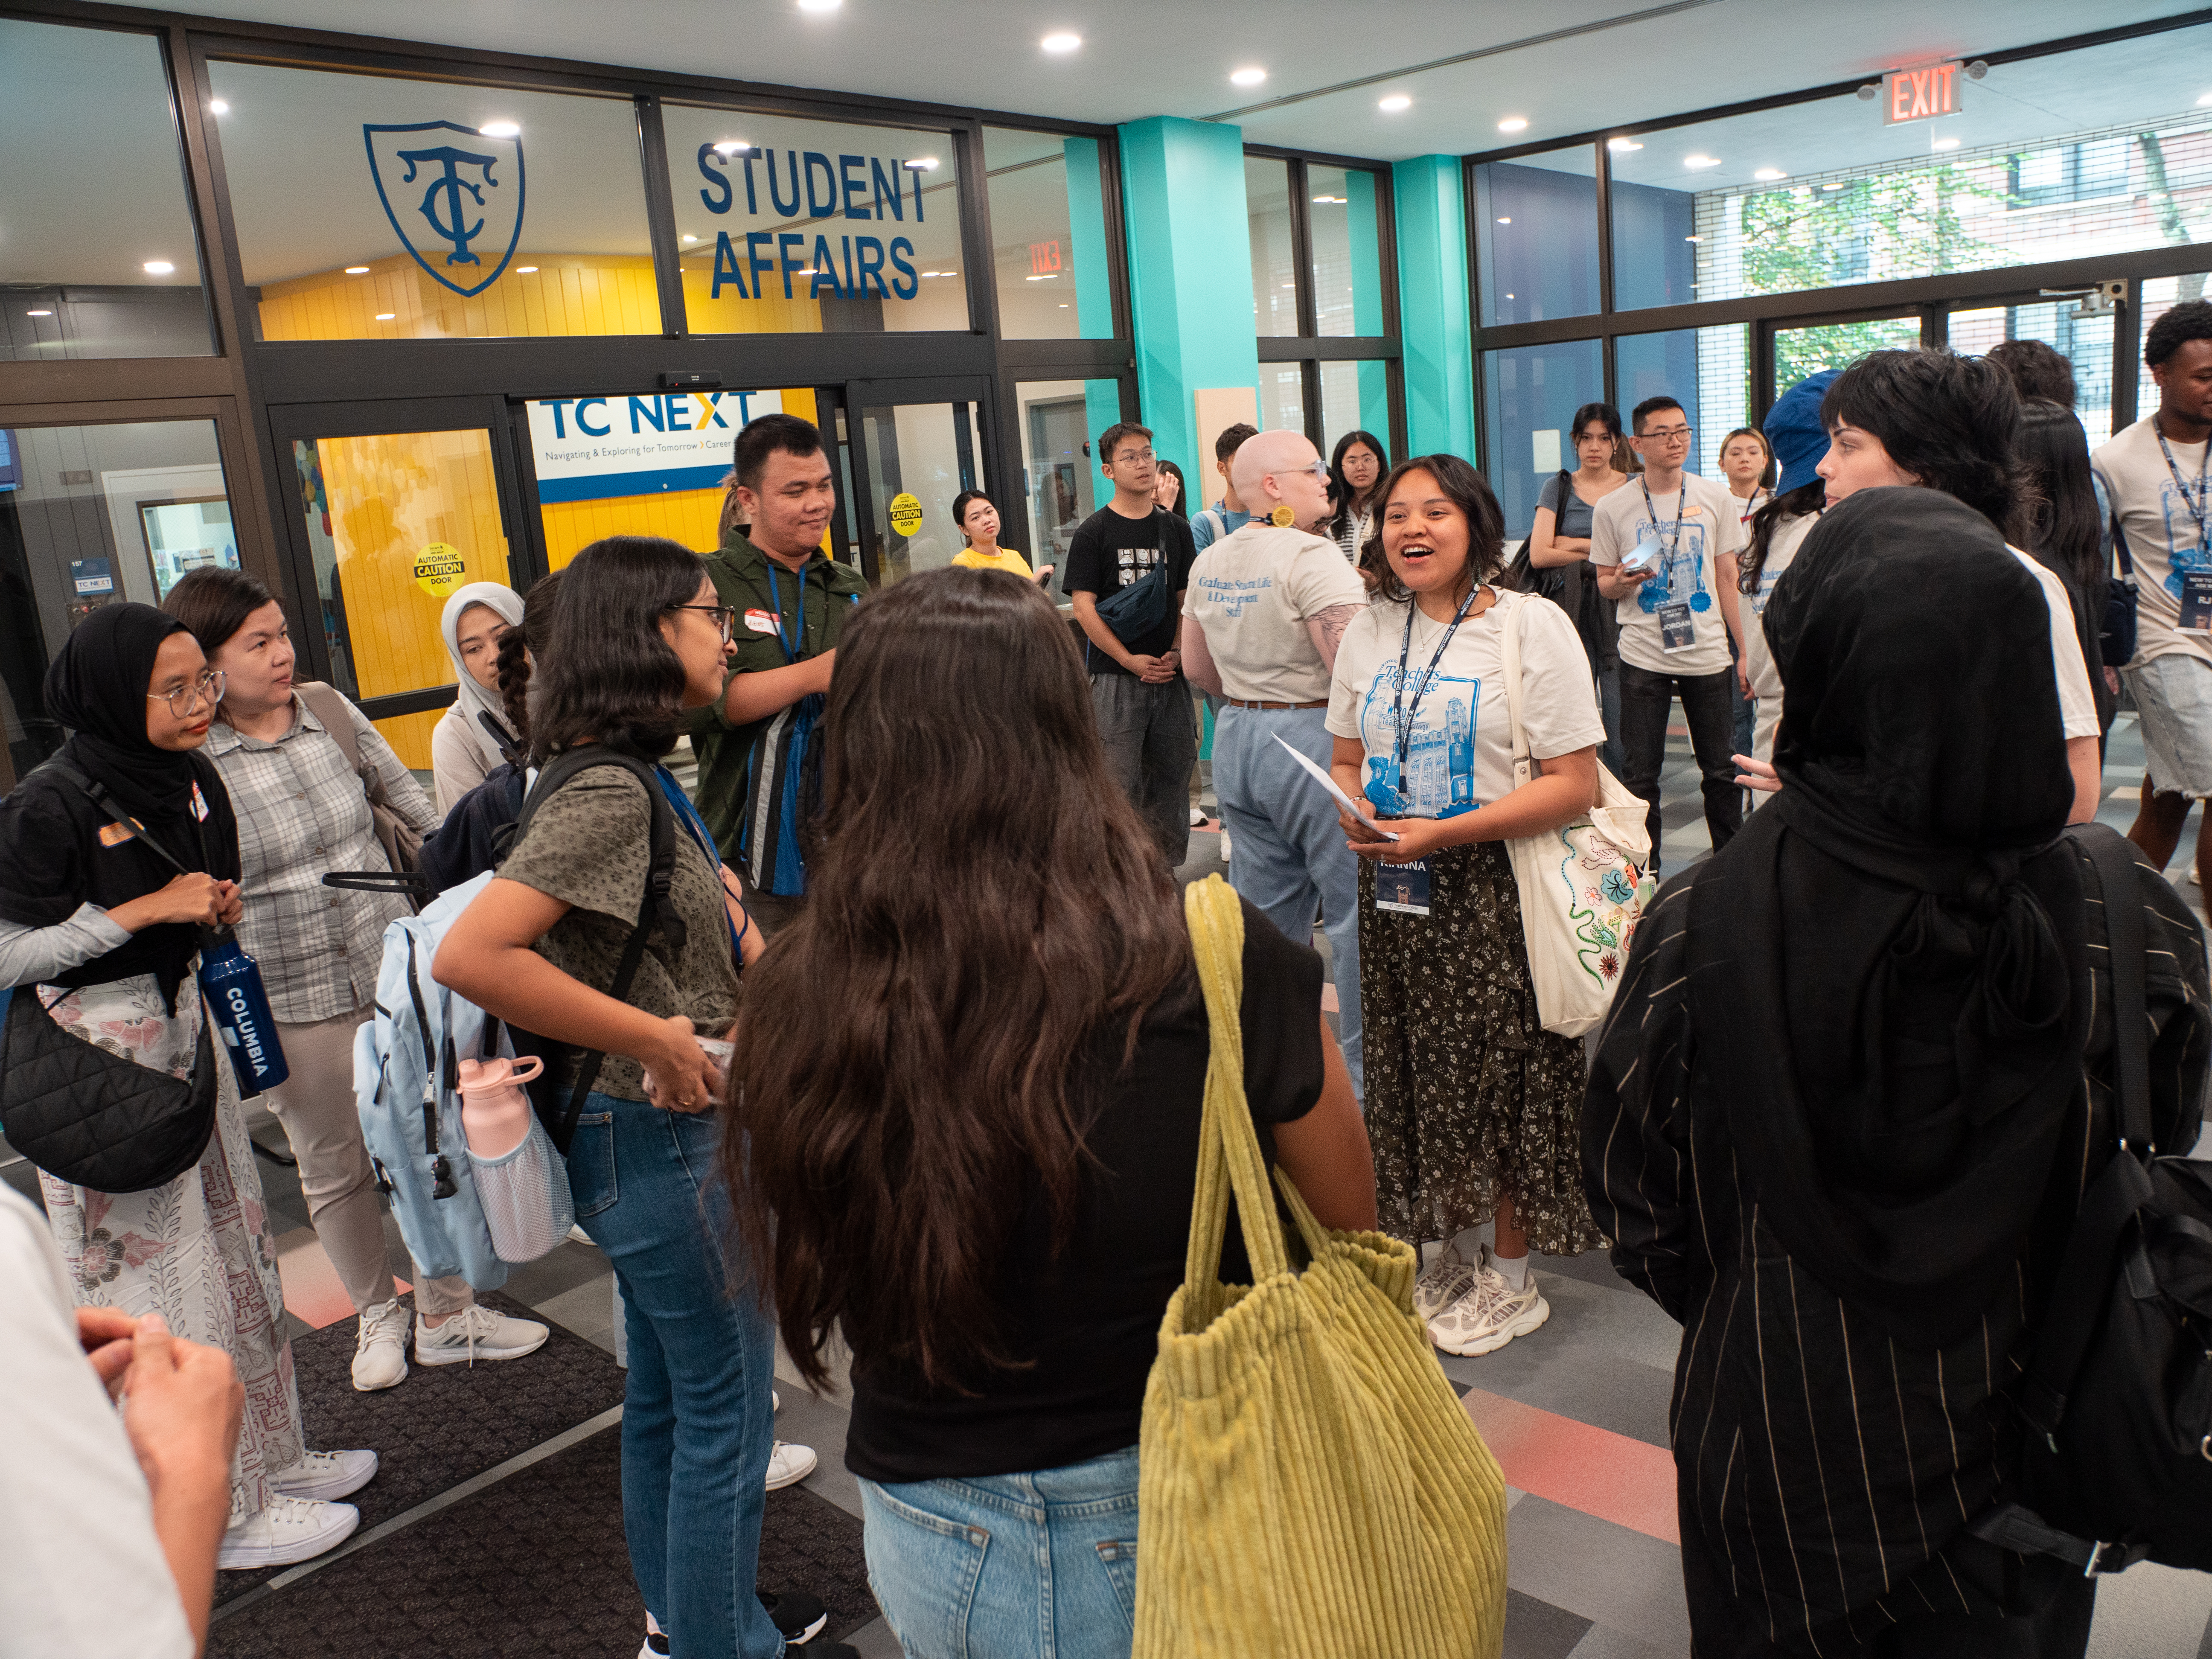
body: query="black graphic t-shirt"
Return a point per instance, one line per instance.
(1111, 552)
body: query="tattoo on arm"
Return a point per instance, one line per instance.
(1332, 623)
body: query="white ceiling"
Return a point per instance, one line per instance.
(1144, 58)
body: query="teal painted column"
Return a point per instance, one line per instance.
(1433, 306)
(1190, 274)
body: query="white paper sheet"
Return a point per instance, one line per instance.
(1359, 809)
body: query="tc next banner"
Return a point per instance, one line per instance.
(593, 449)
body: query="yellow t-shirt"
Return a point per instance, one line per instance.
(1012, 563)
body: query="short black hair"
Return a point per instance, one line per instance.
(1953, 422)
(1470, 492)
(1651, 406)
(1110, 439)
(769, 434)
(2191, 320)
(213, 602)
(607, 674)
(1232, 440)
(2037, 370)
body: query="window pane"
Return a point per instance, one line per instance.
(1799, 352)
(1535, 236)
(1823, 194)
(2159, 295)
(90, 516)
(1706, 370)
(2086, 341)
(1347, 250)
(97, 254)
(1274, 272)
(924, 453)
(1530, 395)
(796, 227)
(1282, 398)
(1048, 218)
(383, 210)
(1060, 421)
(1355, 397)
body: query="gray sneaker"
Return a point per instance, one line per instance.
(477, 1332)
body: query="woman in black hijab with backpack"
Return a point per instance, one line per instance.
(1857, 1078)
(114, 857)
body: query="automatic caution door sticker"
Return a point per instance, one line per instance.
(906, 514)
(438, 569)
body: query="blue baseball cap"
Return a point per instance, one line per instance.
(1794, 431)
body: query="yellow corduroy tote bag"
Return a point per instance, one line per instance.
(1308, 1485)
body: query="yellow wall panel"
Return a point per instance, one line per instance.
(689, 516)
(410, 737)
(396, 299)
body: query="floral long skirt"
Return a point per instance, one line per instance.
(1469, 1096)
(197, 1250)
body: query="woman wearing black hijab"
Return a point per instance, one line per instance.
(106, 932)
(1852, 1088)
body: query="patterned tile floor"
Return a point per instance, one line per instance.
(1576, 1413)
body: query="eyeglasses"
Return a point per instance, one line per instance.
(725, 615)
(186, 698)
(1316, 469)
(1130, 456)
(1667, 434)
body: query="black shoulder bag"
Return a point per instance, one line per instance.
(1559, 583)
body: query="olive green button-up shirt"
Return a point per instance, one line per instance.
(813, 604)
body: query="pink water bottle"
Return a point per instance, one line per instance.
(495, 1109)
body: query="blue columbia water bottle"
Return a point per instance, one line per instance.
(231, 983)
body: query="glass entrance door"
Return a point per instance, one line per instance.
(1790, 349)
(916, 445)
(398, 506)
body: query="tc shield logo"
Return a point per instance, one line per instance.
(454, 196)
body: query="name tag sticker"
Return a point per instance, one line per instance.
(199, 804)
(760, 621)
(114, 835)
(1678, 631)
(1403, 888)
(2196, 601)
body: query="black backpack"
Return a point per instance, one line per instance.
(2118, 1399)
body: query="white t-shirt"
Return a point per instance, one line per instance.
(1711, 524)
(2077, 704)
(1460, 744)
(1252, 594)
(2163, 537)
(82, 1571)
(1758, 660)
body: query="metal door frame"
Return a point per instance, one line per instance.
(979, 391)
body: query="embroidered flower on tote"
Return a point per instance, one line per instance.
(1609, 964)
(1617, 887)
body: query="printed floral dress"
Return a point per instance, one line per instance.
(197, 1250)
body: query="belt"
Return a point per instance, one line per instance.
(1239, 702)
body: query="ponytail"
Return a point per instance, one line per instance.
(516, 646)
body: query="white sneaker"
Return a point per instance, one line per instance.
(1489, 1315)
(319, 1477)
(1225, 846)
(290, 1529)
(1444, 1281)
(2193, 881)
(1197, 817)
(477, 1332)
(789, 1464)
(774, 1401)
(380, 1358)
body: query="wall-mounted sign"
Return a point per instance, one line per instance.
(905, 513)
(456, 201)
(1044, 258)
(593, 449)
(438, 569)
(90, 577)
(1922, 94)
(868, 188)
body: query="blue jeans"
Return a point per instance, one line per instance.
(697, 1422)
(1042, 1565)
(1608, 707)
(1291, 856)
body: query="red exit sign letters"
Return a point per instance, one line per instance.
(1921, 94)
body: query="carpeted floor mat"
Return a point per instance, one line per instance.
(444, 1424)
(533, 1567)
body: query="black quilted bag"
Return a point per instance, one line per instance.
(95, 1119)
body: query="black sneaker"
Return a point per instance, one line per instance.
(798, 1615)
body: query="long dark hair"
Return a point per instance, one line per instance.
(1791, 504)
(607, 674)
(1953, 422)
(1339, 487)
(984, 982)
(2063, 524)
(1470, 492)
(516, 646)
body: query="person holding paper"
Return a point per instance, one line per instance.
(1474, 1108)
(1260, 620)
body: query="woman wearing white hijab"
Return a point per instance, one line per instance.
(464, 748)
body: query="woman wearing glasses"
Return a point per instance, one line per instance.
(100, 926)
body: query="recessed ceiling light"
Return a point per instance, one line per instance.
(1508, 296)
(1513, 124)
(1063, 305)
(1701, 160)
(1506, 220)
(502, 130)
(1768, 175)
(217, 106)
(158, 267)
(1047, 277)
(1061, 42)
(1247, 78)
(1948, 143)
(1622, 146)
(2205, 101)
(1290, 285)
(356, 270)
(1337, 200)
(921, 164)
(820, 5)
(690, 238)
(1394, 103)
(523, 270)
(385, 316)
(731, 146)
(1693, 238)
(38, 313)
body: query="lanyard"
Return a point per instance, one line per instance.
(1682, 499)
(1400, 716)
(1750, 507)
(776, 598)
(696, 827)
(2194, 502)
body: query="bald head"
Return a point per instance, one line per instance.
(1265, 452)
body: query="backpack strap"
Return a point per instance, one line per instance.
(328, 704)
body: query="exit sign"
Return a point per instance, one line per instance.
(1921, 94)
(1044, 259)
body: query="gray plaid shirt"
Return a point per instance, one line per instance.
(301, 812)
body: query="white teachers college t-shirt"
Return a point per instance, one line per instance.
(1711, 524)
(1252, 592)
(1459, 742)
(2164, 539)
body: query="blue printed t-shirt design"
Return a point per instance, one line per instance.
(1710, 525)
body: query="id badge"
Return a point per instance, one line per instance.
(1678, 630)
(2196, 601)
(1403, 888)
